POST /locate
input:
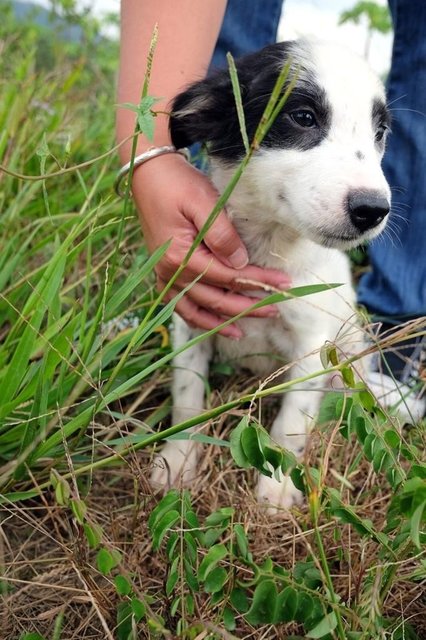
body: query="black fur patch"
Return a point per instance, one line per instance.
(206, 111)
(381, 121)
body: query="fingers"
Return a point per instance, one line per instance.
(223, 240)
(227, 303)
(195, 316)
(249, 278)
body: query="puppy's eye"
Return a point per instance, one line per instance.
(304, 118)
(381, 131)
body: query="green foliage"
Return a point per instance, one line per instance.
(377, 16)
(212, 559)
(81, 329)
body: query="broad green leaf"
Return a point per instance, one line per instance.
(241, 538)
(229, 619)
(107, 560)
(323, 628)
(79, 509)
(305, 606)
(263, 606)
(62, 492)
(237, 451)
(214, 555)
(287, 603)
(124, 620)
(122, 585)
(221, 516)
(170, 502)
(392, 438)
(138, 609)
(417, 535)
(93, 533)
(215, 580)
(252, 449)
(239, 600)
(173, 576)
(163, 526)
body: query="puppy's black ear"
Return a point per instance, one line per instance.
(204, 112)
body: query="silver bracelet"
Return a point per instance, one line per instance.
(144, 157)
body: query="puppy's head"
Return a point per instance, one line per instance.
(318, 168)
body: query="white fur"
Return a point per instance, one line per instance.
(286, 207)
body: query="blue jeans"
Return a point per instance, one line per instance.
(396, 286)
(248, 25)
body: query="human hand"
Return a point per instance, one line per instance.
(174, 200)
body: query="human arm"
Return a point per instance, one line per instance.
(173, 198)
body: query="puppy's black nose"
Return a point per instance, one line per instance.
(367, 209)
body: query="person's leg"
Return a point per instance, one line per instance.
(395, 289)
(248, 25)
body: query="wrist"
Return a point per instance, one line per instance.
(147, 156)
(125, 130)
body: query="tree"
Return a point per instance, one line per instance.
(377, 16)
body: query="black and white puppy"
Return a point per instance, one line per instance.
(313, 188)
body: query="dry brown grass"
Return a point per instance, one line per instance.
(49, 568)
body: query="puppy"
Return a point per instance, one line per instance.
(315, 187)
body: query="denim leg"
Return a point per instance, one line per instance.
(395, 289)
(248, 25)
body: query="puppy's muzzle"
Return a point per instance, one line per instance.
(367, 209)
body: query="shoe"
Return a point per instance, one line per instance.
(398, 379)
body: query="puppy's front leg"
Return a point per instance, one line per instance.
(298, 407)
(177, 463)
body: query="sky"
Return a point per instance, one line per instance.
(305, 17)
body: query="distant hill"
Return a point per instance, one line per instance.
(32, 12)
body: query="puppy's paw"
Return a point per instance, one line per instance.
(279, 495)
(176, 465)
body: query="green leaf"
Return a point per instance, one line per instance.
(79, 509)
(229, 619)
(348, 376)
(221, 516)
(124, 620)
(173, 576)
(324, 627)
(327, 412)
(163, 526)
(367, 400)
(239, 600)
(382, 461)
(107, 560)
(215, 580)
(262, 610)
(122, 585)
(287, 604)
(392, 438)
(237, 452)
(252, 450)
(241, 538)
(190, 578)
(212, 535)
(138, 609)
(93, 533)
(238, 101)
(415, 524)
(214, 555)
(62, 492)
(170, 501)
(305, 606)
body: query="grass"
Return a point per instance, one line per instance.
(86, 549)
